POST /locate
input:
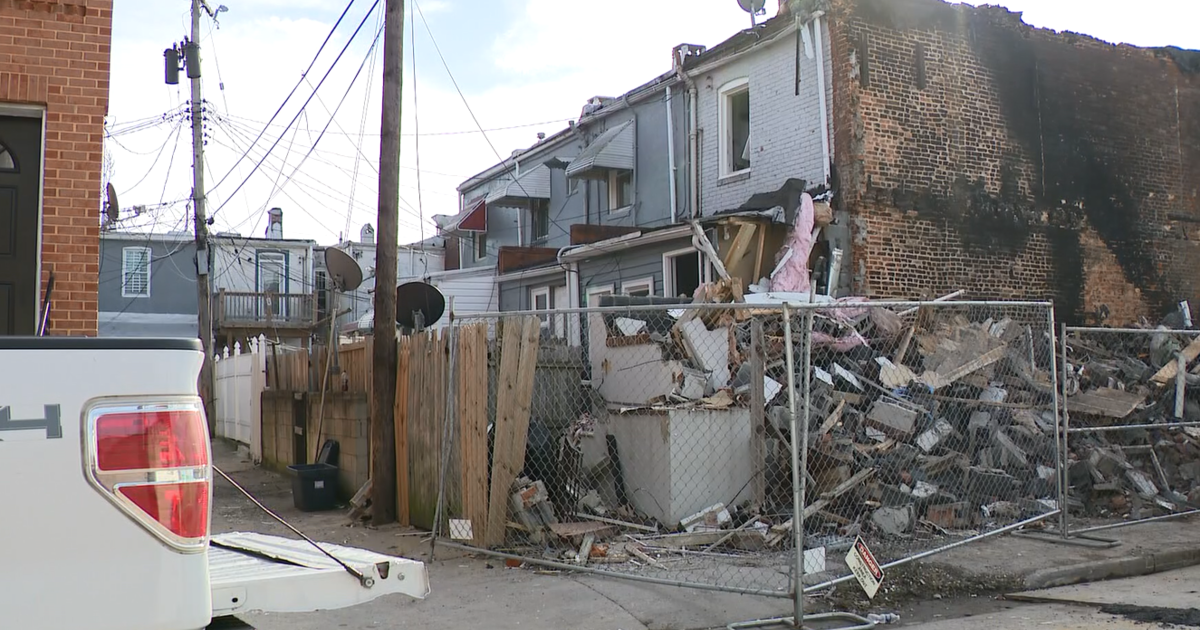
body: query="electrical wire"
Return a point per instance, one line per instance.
(309, 100)
(362, 128)
(312, 63)
(172, 138)
(417, 126)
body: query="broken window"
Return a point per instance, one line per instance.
(620, 190)
(681, 274)
(735, 127)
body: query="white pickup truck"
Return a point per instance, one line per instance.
(106, 483)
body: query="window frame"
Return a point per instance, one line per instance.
(479, 239)
(598, 291)
(706, 270)
(149, 258)
(534, 294)
(539, 217)
(640, 283)
(614, 190)
(725, 95)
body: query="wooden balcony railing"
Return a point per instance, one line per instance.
(264, 310)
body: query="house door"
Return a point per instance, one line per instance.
(272, 282)
(20, 166)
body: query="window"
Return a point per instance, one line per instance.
(735, 127)
(595, 293)
(539, 299)
(7, 163)
(135, 272)
(539, 225)
(322, 293)
(681, 273)
(480, 239)
(620, 190)
(643, 287)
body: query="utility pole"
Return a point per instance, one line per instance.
(383, 405)
(203, 293)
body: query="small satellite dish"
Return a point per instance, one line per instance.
(112, 209)
(753, 7)
(343, 270)
(419, 297)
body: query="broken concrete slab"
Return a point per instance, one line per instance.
(931, 438)
(893, 521)
(892, 419)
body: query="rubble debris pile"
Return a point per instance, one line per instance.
(1136, 460)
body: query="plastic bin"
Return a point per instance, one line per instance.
(314, 487)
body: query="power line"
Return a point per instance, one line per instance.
(417, 124)
(172, 138)
(465, 132)
(312, 63)
(309, 100)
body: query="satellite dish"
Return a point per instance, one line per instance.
(112, 209)
(753, 7)
(343, 270)
(419, 297)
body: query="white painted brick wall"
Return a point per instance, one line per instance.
(785, 129)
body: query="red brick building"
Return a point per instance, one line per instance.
(54, 76)
(973, 151)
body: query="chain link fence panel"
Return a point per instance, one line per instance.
(1133, 426)
(655, 441)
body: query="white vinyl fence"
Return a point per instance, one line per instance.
(240, 379)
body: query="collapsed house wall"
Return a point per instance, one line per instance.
(976, 152)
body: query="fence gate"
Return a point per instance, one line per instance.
(1130, 454)
(697, 445)
(240, 375)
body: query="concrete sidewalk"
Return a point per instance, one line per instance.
(474, 591)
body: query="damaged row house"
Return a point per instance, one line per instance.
(960, 149)
(875, 149)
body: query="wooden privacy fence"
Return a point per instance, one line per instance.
(440, 398)
(445, 400)
(300, 371)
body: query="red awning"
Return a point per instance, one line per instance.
(475, 219)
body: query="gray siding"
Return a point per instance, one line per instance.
(172, 276)
(514, 295)
(652, 171)
(627, 265)
(785, 129)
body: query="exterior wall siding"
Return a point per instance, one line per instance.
(627, 265)
(56, 55)
(172, 275)
(785, 128)
(514, 294)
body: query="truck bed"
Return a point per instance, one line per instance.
(252, 572)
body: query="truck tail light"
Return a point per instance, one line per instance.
(152, 460)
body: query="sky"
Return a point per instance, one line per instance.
(512, 68)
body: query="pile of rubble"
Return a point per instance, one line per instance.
(927, 422)
(1132, 380)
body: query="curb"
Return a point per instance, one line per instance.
(1128, 566)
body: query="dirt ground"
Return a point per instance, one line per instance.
(967, 582)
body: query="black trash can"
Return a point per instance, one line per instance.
(314, 487)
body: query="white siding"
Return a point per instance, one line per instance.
(785, 129)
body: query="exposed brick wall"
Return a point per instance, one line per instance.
(56, 54)
(976, 152)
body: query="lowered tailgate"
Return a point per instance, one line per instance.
(259, 573)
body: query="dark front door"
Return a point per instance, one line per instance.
(20, 166)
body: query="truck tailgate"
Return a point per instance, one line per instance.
(259, 573)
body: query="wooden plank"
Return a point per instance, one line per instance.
(1105, 401)
(758, 415)
(938, 381)
(426, 427)
(472, 419)
(834, 417)
(740, 246)
(518, 361)
(758, 258)
(1168, 371)
(403, 363)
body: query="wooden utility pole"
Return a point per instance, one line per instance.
(203, 293)
(383, 403)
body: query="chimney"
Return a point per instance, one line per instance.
(366, 234)
(275, 223)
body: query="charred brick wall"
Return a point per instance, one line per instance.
(56, 54)
(976, 152)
